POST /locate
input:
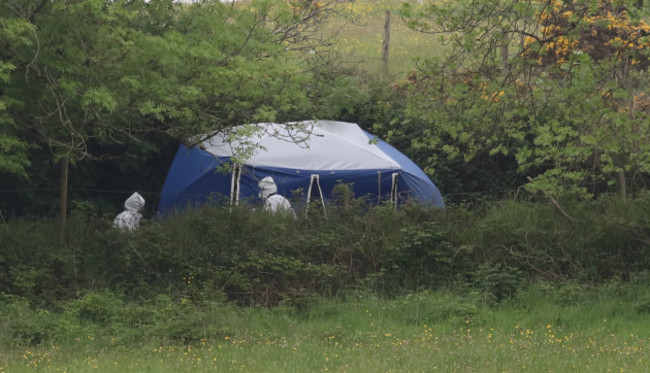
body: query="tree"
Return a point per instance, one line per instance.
(102, 73)
(554, 86)
(234, 65)
(13, 157)
(598, 50)
(67, 81)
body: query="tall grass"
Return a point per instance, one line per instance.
(537, 331)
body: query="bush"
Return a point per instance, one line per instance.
(601, 239)
(253, 257)
(19, 324)
(496, 282)
(173, 278)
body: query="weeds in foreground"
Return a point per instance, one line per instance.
(445, 331)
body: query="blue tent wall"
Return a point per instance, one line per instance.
(291, 184)
(415, 177)
(193, 180)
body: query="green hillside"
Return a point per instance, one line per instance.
(359, 30)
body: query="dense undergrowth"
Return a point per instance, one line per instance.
(163, 279)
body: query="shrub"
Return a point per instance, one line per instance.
(253, 257)
(496, 282)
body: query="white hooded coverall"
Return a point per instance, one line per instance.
(129, 219)
(273, 202)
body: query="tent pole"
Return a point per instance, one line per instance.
(311, 182)
(320, 191)
(234, 186)
(378, 187)
(315, 177)
(393, 191)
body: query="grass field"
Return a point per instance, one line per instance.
(360, 35)
(415, 333)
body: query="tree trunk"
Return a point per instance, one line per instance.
(386, 46)
(622, 185)
(63, 200)
(504, 52)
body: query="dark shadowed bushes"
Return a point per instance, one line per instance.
(593, 242)
(180, 277)
(255, 258)
(248, 256)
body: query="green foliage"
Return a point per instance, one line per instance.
(255, 258)
(497, 282)
(13, 158)
(20, 324)
(97, 308)
(100, 82)
(26, 280)
(107, 312)
(360, 332)
(605, 239)
(445, 307)
(576, 126)
(422, 256)
(64, 82)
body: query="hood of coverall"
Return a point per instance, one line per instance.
(267, 187)
(135, 203)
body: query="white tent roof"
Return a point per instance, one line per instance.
(330, 146)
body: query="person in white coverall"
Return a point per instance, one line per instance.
(129, 219)
(273, 202)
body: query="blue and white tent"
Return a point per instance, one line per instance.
(309, 167)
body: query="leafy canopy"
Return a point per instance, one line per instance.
(555, 86)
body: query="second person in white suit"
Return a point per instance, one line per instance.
(273, 202)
